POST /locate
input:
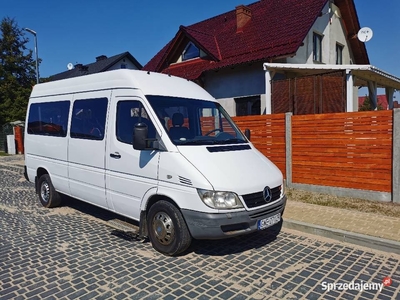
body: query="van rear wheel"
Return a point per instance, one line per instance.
(47, 194)
(168, 232)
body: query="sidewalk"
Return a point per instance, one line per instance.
(365, 229)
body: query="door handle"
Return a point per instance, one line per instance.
(115, 155)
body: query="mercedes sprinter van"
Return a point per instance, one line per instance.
(154, 148)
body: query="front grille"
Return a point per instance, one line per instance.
(267, 212)
(257, 199)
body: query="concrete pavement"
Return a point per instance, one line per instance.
(365, 229)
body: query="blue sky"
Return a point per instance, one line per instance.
(78, 31)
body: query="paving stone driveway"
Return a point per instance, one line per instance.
(71, 253)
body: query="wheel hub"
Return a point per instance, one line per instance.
(45, 191)
(163, 228)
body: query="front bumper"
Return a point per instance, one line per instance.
(225, 225)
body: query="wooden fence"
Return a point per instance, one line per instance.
(341, 150)
(267, 135)
(349, 150)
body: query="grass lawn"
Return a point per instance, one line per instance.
(3, 153)
(377, 207)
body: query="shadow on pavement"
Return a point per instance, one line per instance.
(205, 247)
(95, 211)
(234, 245)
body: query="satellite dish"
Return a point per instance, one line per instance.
(365, 34)
(70, 66)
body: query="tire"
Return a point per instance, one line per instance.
(47, 194)
(168, 232)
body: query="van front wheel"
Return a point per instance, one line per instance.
(47, 194)
(168, 232)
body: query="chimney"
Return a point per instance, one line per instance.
(243, 16)
(101, 57)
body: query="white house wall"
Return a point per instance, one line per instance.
(332, 30)
(229, 104)
(331, 27)
(240, 81)
(235, 82)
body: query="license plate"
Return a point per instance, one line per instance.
(268, 222)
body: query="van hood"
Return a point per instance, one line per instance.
(238, 168)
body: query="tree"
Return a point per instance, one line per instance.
(17, 72)
(367, 105)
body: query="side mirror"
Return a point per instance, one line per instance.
(247, 133)
(140, 136)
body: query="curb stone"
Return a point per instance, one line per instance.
(344, 236)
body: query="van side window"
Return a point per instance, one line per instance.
(89, 119)
(128, 114)
(49, 118)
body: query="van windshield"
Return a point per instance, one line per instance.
(195, 122)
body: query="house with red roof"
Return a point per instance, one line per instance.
(103, 63)
(226, 55)
(382, 102)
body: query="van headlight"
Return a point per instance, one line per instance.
(220, 200)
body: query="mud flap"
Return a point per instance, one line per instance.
(143, 230)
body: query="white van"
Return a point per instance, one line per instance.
(155, 148)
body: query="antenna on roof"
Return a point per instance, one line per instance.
(365, 34)
(70, 66)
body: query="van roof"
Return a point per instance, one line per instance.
(149, 83)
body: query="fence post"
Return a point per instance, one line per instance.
(288, 138)
(396, 157)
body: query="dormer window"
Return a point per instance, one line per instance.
(191, 51)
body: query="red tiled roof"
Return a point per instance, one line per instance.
(277, 28)
(204, 41)
(381, 99)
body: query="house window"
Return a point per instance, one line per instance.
(191, 51)
(247, 106)
(317, 47)
(339, 54)
(123, 66)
